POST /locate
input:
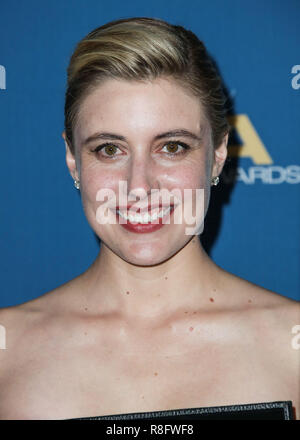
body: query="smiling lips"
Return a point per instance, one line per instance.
(143, 215)
(141, 220)
(144, 209)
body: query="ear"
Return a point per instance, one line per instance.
(220, 155)
(70, 158)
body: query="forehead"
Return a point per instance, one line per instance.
(137, 108)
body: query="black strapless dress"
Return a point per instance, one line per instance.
(282, 410)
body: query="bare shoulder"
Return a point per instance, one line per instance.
(16, 317)
(278, 318)
(35, 331)
(260, 299)
(25, 324)
(18, 320)
(270, 327)
(50, 303)
(274, 319)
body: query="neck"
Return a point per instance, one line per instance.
(186, 281)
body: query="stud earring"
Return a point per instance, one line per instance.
(77, 184)
(215, 180)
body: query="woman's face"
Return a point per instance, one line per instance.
(154, 139)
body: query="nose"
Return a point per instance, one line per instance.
(141, 178)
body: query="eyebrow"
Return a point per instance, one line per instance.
(168, 134)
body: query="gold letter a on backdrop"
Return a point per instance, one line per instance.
(252, 145)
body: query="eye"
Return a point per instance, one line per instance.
(109, 149)
(173, 148)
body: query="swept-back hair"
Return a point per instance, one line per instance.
(139, 49)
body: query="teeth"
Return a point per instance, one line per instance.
(144, 218)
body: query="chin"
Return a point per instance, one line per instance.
(143, 255)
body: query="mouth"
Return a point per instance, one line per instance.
(145, 216)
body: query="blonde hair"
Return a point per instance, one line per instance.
(142, 49)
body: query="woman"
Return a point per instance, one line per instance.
(154, 324)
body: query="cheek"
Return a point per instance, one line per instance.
(189, 176)
(192, 177)
(94, 178)
(97, 183)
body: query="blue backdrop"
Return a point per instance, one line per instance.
(253, 224)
